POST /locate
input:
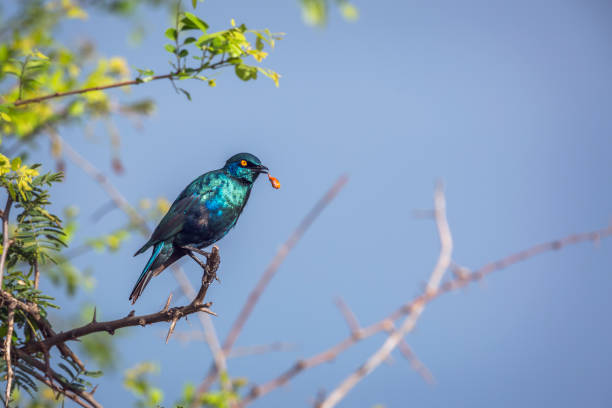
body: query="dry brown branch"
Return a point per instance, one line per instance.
(115, 195)
(111, 326)
(386, 324)
(260, 349)
(326, 356)
(268, 274)
(444, 261)
(416, 364)
(36, 274)
(85, 90)
(349, 316)
(136, 81)
(55, 387)
(404, 347)
(30, 308)
(5, 236)
(57, 382)
(7, 352)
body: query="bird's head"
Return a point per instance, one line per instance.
(244, 167)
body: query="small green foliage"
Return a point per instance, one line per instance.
(33, 64)
(109, 242)
(316, 12)
(246, 72)
(225, 398)
(137, 381)
(216, 50)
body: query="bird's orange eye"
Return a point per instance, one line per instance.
(243, 163)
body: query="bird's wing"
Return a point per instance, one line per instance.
(173, 221)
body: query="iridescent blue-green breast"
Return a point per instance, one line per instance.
(220, 201)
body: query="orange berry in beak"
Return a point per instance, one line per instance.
(274, 181)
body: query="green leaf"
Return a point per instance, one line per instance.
(93, 374)
(183, 53)
(16, 163)
(189, 40)
(170, 48)
(207, 38)
(246, 72)
(171, 33)
(194, 3)
(145, 72)
(183, 75)
(187, 94)
(198, 22)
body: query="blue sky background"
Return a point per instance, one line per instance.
(508, 102)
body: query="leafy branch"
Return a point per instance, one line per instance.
(215, 50)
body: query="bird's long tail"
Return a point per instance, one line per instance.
(149, 270)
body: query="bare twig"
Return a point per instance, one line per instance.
(405, 348)
(260, 349)
(348, 314)
(104, 182)
(90, 89)
(36, 274)
(5, 236)
(268, 274)
(416, 364)
(444, 260)
(386, 324)
(7, 352)
(137, 81)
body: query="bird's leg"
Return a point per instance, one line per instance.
(190, 250)
(210, 272)
(196, 250)
(195, 258)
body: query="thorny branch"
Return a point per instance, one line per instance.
(165, 315)
(54, 380)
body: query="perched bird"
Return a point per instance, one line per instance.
(201, 215)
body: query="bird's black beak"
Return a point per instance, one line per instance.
(262, 169)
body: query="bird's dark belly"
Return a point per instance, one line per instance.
(204, 226)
